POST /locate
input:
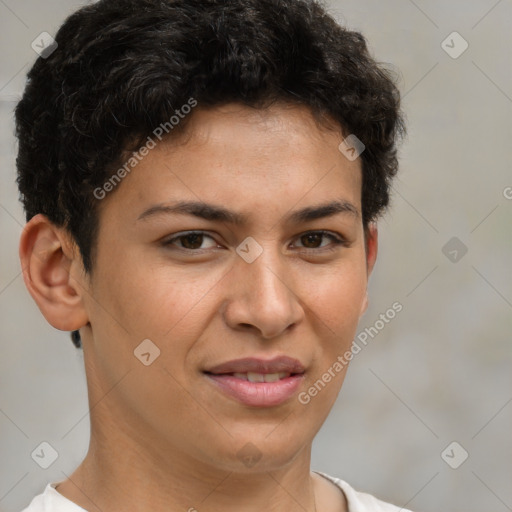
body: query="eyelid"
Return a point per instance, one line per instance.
(168, 241)
(336, 238)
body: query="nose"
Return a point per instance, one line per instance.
(263, 297)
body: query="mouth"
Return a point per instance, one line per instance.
(261, 377)
(258, 382)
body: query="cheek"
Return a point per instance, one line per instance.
(336, 305)
(152, 300)
(337, 299)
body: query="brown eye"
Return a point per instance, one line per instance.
(312, 240)
(191, 241)
(320, 240)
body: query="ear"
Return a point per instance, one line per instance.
(51, 271)
(371, 245)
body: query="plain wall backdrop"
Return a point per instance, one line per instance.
(439, 372)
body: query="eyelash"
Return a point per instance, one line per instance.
(335, 238)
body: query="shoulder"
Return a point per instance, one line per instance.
(361, 501)
(51, 501)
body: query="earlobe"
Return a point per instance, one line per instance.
(48, 263)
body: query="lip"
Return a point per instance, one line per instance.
(258, 394)
(257, 365)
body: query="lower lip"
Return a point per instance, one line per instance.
(258, 394)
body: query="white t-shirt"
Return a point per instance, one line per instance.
(52, 501)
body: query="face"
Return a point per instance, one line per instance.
(266, 283)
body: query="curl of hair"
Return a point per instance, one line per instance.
(122, 67)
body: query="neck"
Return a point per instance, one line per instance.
(122, 473)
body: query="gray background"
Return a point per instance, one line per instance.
(439, 372)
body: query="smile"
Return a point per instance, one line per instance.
(258, 382)
(261, 377)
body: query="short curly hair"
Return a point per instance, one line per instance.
(123, 67)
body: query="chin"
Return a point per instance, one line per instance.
(259, 452)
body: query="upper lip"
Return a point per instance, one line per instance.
(279, 364)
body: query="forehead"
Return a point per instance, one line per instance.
(251, 160)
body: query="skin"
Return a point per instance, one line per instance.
(162, 436)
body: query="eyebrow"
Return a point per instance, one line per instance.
(218, 213)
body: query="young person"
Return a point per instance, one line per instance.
(201, 181)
